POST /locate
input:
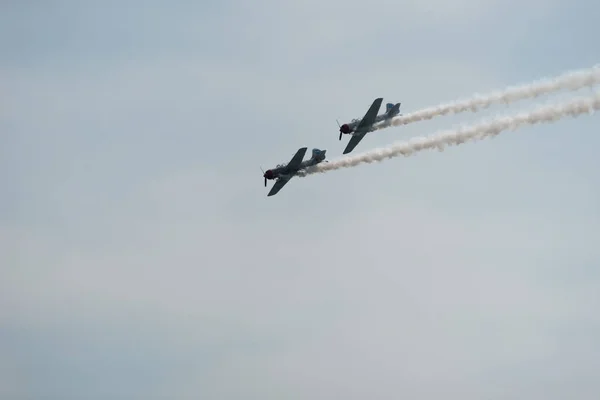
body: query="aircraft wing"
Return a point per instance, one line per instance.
(279, 183)
(370, 116)
(295, 162)
(354, 140)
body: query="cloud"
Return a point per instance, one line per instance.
(437, 281)
(140, 256)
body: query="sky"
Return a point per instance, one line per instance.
(140, 257)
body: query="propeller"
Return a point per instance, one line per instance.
(264, 176)
(339, 126)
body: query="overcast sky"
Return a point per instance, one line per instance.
(141, 259)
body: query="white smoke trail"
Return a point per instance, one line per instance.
(572, 80)
(545, 114)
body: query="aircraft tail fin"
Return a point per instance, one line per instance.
(318, 154)
(392, 109)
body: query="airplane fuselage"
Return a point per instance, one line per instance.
(350, 128)
(284, 170)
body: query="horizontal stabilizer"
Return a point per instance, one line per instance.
(392, 109)
(317, 153)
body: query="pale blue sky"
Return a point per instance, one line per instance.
(140, 257)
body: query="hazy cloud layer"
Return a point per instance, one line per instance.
(140, 257)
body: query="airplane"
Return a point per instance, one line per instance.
(284, 172)
(358, 128)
